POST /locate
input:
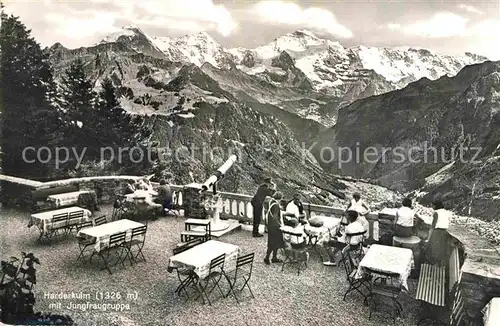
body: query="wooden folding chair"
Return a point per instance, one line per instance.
(53, 230)
(100, 220)
(137, 239)
(294, 256)
(186, 276)
(73, 217)
(243, 271)
(83, 225)
(83, 245)
(188, 245)
(355, 284)
(115, 243)
(387, 286)
(214, 276)
(83, 242)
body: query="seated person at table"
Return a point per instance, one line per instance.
(164, 195)
(295, 208)
(364, 222)
(295, 241)
(403, 222)
(353, 237)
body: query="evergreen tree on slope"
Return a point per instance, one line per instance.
(28, 117)
(78, 104)
(113, 123)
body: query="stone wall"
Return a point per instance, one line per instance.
(480, 280)
(106, 187)
(24, 193)
(16, 191)
(15, 194)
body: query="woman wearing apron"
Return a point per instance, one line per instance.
(274, 223)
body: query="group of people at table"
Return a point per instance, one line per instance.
(351, 233)
(157, 199)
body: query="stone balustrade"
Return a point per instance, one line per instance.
(238, 207)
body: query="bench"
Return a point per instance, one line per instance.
(204, 229)
(440, 288)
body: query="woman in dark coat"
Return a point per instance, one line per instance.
(274, 223)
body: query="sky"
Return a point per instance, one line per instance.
(444, 26)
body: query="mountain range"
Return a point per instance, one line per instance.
(273, 102)
(298, 72)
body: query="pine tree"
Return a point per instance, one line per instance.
(115, 127)
(113, 124)
(28, 119)
(78, 102)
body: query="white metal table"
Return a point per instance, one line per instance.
(141, 195)
(199, 257)
(322, 233)
(44, 220)
(102, 233)
(66, 199)
(387, 259)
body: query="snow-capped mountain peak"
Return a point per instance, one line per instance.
(131, 26)
(134, 37)
(297, 41)
(201, 39)
(195, 48)
(304, 33)
(125, 31)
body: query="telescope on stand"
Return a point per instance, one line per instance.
(197, 198)
(219, 174)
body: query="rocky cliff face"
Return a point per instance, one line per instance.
(437, 136)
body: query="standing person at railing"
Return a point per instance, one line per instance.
(268, 188)
(358, 205)
(404, 220)
(436, 245)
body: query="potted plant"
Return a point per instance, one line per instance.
(17, 299)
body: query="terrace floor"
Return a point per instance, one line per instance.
(281, 298)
